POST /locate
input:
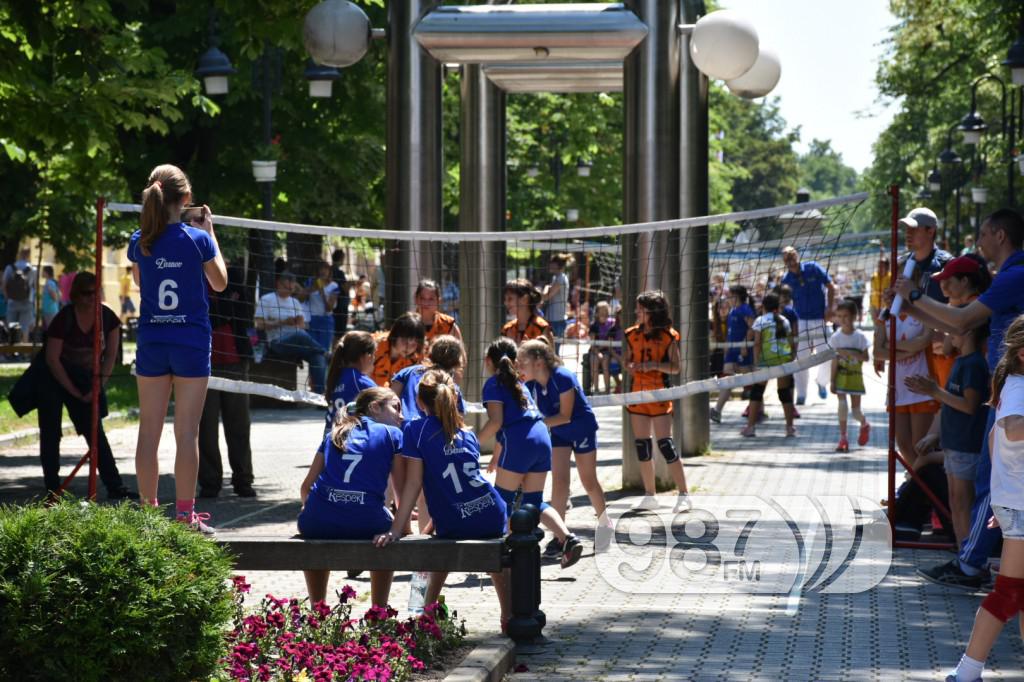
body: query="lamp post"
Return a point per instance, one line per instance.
(949, 157)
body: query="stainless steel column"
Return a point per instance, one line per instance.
(481, 209)
(651, 182)
(694, 201)
(414, 159)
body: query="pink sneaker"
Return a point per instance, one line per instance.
(198, 522)
(864, 435)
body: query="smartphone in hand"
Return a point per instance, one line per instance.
(193, 214)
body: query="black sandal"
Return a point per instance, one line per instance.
(572, 550)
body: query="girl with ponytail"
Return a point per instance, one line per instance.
(347, 376)
(772, 346)
(567, 413)
(173, 264)
(343, 494)
(446, 354)
(442, 458)
(524, 459)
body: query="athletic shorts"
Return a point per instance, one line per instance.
(735, 356)
(525, 448)
(581, 441)
(339, 521)
(1011, 521)
(161, 359)
(484, 525)
(960, 465)
(651, 409)
(925, 407)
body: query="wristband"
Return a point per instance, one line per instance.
(914, 295)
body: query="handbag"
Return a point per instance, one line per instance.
(24, 395)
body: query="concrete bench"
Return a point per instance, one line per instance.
(519, 551)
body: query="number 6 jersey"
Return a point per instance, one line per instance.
(175, 308)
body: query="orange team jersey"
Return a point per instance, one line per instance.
(384, 367)
(443, 324)
(535, 328)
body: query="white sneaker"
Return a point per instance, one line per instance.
(683, 504)
(647, 503)
(603, 535)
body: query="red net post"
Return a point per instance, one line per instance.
(97, 346)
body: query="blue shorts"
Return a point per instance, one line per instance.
(735, 356)
(161, 359)
(482, 526)
(582, 441)
(337, 521)
(525, 448)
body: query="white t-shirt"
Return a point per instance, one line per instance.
(1007, 455)
(317, 304)
(770, 342)
(908, 328)
(854, 341)
(273, 308)
(558, 305)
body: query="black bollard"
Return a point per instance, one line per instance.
(527, 619)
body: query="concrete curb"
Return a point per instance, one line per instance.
(490, 661)
(32, 434)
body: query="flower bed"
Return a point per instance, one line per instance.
(287, 639)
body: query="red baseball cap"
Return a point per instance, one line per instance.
(958, 267)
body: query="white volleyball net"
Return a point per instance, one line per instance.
(343, 279)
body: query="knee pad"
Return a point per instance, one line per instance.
(844, 409)
(509, 496)
(786, 396)
(1006, 599)
(536, 499)
(757, 392)
(668, 449)
(644, 450)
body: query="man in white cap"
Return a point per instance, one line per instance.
(920, 228)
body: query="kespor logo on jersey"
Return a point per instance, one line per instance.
(162, 263)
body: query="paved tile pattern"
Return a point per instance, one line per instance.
(904, 629)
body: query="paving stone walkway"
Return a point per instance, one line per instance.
(902, 629)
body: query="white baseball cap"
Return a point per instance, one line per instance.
(920, 217)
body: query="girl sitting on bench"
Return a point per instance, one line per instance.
(442, 457)
(345, 500)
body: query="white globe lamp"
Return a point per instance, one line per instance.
(336, 33)
(724, 45)
(762, 77)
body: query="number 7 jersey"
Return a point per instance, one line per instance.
(175, 308)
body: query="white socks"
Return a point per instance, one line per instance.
(969, 670)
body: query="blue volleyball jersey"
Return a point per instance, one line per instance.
(548, 400)
(358, 475)
(175, 308)
(513, 414)
(462, 503)
(410, 378)
(350, 383)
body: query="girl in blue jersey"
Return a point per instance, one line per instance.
(559, 397)
(345, 499)
(446, 353)
(173, 262)
(738, 357)
(519, 429)
(348, 375)
(443, 458)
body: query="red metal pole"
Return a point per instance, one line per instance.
(894, 193)
(97, 341)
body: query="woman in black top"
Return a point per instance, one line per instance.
(69, 359)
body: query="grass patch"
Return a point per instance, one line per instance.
(122, 395)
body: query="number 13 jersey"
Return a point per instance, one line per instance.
(175, 308)
(650, 348)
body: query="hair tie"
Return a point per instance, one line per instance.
(351, 409)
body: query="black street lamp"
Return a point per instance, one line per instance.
(949, 157)
(214, 67)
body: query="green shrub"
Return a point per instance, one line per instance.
(93, 592)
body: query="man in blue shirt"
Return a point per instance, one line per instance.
(1001, 239)
(814, 300)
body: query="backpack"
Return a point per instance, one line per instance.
(17, 285)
